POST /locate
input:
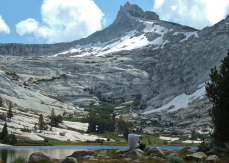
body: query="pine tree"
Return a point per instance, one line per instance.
(10, 113)
(218, 93)
(92, 119)
(1, 101)
(35, 126)
(4, 132)
(41, 122)
(52, 117)
(14, 140)
(55, 119)
(52, 112)
(101, 125)
(126, 133)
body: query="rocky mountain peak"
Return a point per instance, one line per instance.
(134, 11)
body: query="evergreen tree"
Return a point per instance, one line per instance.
(92, 120)
(52, 117)
(10, 139)
(59, 119)
(1, 101)
(4, 132)
(14, 140)
(52, 112)
(6, 140)
(193, 135)
(55, 119)
(35, 126)
(10, 113)
(121, 125)
(126, 133)
(112, 123)
(101, 125)
(218, 93)
(41, 122)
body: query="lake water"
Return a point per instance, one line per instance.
(8, 153)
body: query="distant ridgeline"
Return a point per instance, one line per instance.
(138, 55)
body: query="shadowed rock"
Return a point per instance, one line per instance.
(39, 157)
(69, 160)
(82, 153)
(132, 154)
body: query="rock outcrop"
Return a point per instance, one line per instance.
(82, 153)
(140, 156)
(134, 11)
(39, 157)
(171, 60)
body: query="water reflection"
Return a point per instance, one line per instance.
(7, 155)
(4, 154)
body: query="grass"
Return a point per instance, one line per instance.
(117, 140)
(103, 106)
(113, 154)
(175, 159)
(73, 119)
(19, 159)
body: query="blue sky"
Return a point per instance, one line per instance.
(52, 21)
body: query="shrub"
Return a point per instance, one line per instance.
(46, 140)
(175, 159)
(19, 159)
(99, 141)
(165, 142)
(113, 153)
(204, 146)
(25, 130)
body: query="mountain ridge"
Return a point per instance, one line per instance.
(152, 61)
(124, 22)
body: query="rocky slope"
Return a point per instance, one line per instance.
(133, 28)
(137, 57)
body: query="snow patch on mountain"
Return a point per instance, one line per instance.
(152, 34)
(181, 101)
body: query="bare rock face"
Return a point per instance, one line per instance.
(151, 15)
(175, 60)
(14, 49)
(126, 20)
(134, 11)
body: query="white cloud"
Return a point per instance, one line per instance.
(194, 13)
(64, 21)
(3, 26)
